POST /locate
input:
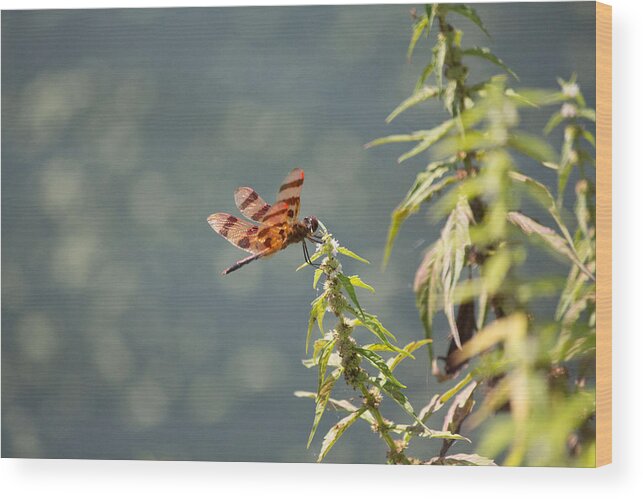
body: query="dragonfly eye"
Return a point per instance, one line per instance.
(312, 224)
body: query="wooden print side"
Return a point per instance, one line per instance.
(603, 234)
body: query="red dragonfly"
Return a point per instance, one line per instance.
(278, 225)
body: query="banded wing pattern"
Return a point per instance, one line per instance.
(278, 226)
(290, 192)
(250, 203)
(238, 232)
(264, 239)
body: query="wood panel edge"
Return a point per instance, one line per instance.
(603, 234)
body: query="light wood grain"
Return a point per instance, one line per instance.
(604, 234)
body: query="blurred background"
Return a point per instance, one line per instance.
(122, 130)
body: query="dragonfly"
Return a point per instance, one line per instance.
(277, 225)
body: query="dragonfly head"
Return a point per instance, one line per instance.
(311, 223)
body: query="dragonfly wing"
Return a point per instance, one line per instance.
(290, 192)
(238, 232)
(250, 203)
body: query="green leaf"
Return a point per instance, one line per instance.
(532, 146)
(409, 349)
(541, 194)
(324, 355)
(350, 254)
(485, 53)
(534, 97)
(371, 323)
(431, 12)
(424, 188)
(336, 431)
(492, 334)
(421, 95)
(318, 274)
(459, 411)
(529, 226)
(380, 364)
(555, 120)
(468, 12)
(322, 399)
(348, 286)
(588, 137)
(356, 281)
(456, 239)
(313, 257)
(439, 56)
(390, 139)
(337, 404)
(318, 307)
(587, 113)
(430, 137)
(446, 396)
(399, 398)
(520, 99)
(426, 287)
(482, 309)
(418, 28)
(426, 72)
(378, 347)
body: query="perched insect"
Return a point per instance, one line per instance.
(278, 225)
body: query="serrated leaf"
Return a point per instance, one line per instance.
(318, 307)
(391, 139)
(439, 56)
(431, 12)
(529, 226)
(446, 396)
(322, 399)
(485, 53)
(318, 274)
(350, 254)
(426, 72)
(541, 194)
(468, 12)
(409, 349)
(429, 138)
(380, 364)
(424, 188)
(337, 404)
(421, 95)
(372, 324)
(378, 347)
(336, 431)
(418, 28)
(357, 281)
(371, 321)
(456, 239)
(324, 355)
(399, 398)
(457, 413)
(348, 286)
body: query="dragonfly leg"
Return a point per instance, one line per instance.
(307, 256)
